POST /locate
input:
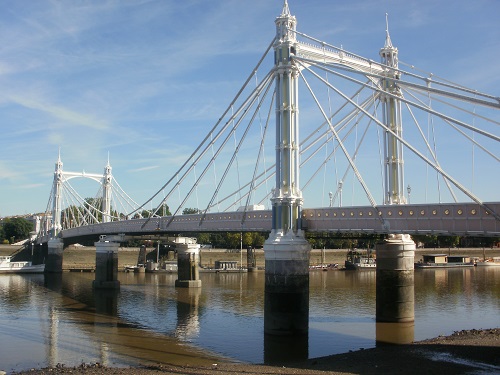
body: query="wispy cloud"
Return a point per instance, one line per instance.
(144, 169)
(67, 115)
(8, 173)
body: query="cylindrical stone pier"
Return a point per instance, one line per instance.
(286, 297)
(395, 280)
(106, 265)
(54, 261)
(188, 258)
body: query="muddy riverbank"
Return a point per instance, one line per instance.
(464, 352)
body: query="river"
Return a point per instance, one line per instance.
(51, 319)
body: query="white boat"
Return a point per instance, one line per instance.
(492, 262)
(8, 266)
(357, 261)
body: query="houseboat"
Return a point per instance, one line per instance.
(444, 261)
(8, 266)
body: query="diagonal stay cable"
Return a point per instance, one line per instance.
(235, 153)
(332, 129)
(242, 107)
(212, 130)
(246, 106)
(404, 100)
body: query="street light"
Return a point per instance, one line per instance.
(408, 189)
(340, 193)
(330, 194)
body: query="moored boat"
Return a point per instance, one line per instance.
(8, 266)
(491, 262)
(444, 261)
(358, 261)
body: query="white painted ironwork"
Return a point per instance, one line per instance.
(293, 59)
(287, 198)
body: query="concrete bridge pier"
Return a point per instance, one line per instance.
(395, 280)
(188, 259)
(106, 265)
(286, 298)
(54, 261)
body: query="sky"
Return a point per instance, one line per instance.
(141, 81)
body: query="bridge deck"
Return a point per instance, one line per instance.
(464, 219)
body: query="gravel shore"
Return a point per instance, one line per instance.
(463, 352)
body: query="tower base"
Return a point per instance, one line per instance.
(106, 265)
(395, 280)
(286, 297)
(54, 261)
(188, 258)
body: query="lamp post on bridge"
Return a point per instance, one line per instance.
(408, 189)
(340, 192)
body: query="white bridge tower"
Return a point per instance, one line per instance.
(286, 250)
(395, 300)
(60, 177)
(391, 109)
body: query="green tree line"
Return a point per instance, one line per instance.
(14, 229)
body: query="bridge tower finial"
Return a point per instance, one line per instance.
(286, 10)
(388, 42)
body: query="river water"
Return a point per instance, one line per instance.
(51, 319)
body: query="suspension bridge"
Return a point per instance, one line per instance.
(366, 128)
(356, 109)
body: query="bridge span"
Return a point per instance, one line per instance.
(370, 102)
(454, 219)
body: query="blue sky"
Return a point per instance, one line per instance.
(142, 80)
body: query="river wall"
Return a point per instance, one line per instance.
(83, 257)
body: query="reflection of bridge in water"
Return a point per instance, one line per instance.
(371, 99)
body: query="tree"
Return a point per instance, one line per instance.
(190, 211)
(429, 240)
(145, 213)
(2, 233)
(93, 207)
(248, 239)
(233, 240)
(16, 229)
(72, 216)
(449, 241)
(203, 238)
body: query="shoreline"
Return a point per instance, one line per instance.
(467, 351)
